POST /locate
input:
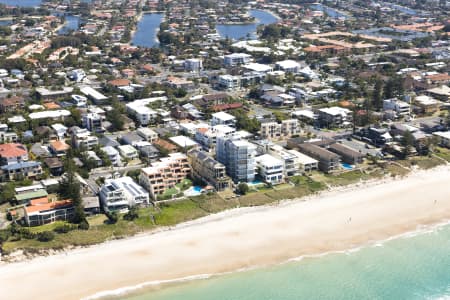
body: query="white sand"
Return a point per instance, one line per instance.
(237, 239)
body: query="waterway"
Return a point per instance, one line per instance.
(147, 30)
(72, 24)
(242, 31)
(22, 3)
(329, 11)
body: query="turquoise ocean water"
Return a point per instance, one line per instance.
(409, 267)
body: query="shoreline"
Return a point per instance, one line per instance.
(378, 210)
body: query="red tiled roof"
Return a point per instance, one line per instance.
(12, 150)
(59, 146)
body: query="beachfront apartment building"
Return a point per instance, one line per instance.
(270, 169)
(164, 174)
(236, 59)
(238, 156)
(303, 163)
(290, 167)
(328, 161)
(122, 193)
(211, 171)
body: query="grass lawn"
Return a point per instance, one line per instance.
(176, 212)
(184, 185)
(443, 153)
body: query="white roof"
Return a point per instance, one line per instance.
(258, 67)
(335, 110)
(110, 150)
(50, 114)
(302, 158)
(127, 149)
(304, 113)
(288, 64)
(183, 141)
(16, 119)
(59, 127)
(445, 134)
(268, 160)
(90, 92)
(223, 116)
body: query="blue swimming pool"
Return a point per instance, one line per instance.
(197, 189)
(347, 166)
(255, 182)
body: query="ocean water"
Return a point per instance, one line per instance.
(416, 266)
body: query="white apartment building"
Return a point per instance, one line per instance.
(303, 162)
(122, 193)
(193, 64)
(229, 82)
(274, 130)
(270, 169)
(147, 134)
(223, 118)
(82, 138)
(400, 107)
(128, 152)
(236, 59)
(139, 108)
(113, 155)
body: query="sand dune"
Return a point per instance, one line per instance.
(239, 238)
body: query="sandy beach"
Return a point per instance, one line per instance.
(239, 238)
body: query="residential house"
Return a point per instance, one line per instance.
(128, 152)
(54, 165)
(12, 104)
(20, 170)
(147, 134)
(12, 153)
(59, 148)
(113, 155)
(82, 138)
(44, 211)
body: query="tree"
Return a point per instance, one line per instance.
(132, 214)
(46, 236)
(377, 94)
(113, 217)
(69, 188)
(243, 188)
(407, 142)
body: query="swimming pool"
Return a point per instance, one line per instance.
(193, 191)
(347, 166)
